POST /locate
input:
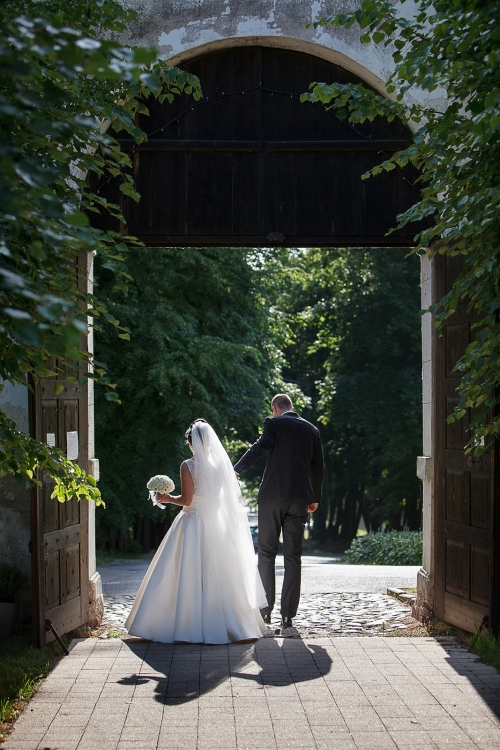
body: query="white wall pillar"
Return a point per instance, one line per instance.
(96, 600)
(424, 606)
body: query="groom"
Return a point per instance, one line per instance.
(290, 489)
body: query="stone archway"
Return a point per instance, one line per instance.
(252, 166)
(187, 140)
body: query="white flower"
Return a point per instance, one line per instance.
(161, 485)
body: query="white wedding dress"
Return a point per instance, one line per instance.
(203, 584)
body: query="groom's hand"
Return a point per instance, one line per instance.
(312, 507)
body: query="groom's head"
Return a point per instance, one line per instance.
(280, 404)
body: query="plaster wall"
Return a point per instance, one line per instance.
(15, 529)
(182, 29)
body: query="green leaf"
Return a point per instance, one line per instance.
(151, 80)
(128, 189)
(77, 219)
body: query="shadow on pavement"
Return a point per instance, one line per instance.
(176, 674)
(478, 680)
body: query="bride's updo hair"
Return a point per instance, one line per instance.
(189, 431)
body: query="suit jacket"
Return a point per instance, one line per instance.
(295, 466)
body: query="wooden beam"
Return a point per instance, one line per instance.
(358, 144)
(191, 240)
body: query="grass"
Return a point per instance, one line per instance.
(22, 666)
(488, 649)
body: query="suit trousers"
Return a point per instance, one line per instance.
(289, 517)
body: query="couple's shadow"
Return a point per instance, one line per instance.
(176, 674)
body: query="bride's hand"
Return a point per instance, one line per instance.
(163, 498)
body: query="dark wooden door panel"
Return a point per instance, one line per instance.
(480, 575)
(52, 580)
(209, 193)
(279, 207)
(60, 539)
(457, 338)
(60, 530)
(65, 617)
(246, 179)
(251, 165)
(464, 533)
(70, 573)
(457, 567)
(313, 194)
(168, 214)
(349, 205)
(50, 508)
(462, 612)
(465, 576)
(457, 496)
(480, 511)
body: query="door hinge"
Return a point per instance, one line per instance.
(30, 546)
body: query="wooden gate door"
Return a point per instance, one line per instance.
(60, 530)
(465, 487)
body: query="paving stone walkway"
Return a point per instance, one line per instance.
(343, 614)
(329, 693)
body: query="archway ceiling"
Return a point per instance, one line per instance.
(249, 165)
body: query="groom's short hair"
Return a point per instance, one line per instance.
(282, 402)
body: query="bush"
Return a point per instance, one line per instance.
(12, 581)
(389, 548)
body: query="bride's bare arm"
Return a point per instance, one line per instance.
(187, 489)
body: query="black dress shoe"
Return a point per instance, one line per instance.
(267, 619)
(286, 622)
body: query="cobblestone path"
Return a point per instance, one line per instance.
(344, 614)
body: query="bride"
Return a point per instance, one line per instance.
(202, 585)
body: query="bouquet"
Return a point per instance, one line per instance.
(159, 485)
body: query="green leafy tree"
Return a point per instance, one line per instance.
(356, 353)
(200, 347)
(452, 46)
(63, 78)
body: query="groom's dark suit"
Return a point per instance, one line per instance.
(292, 480)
